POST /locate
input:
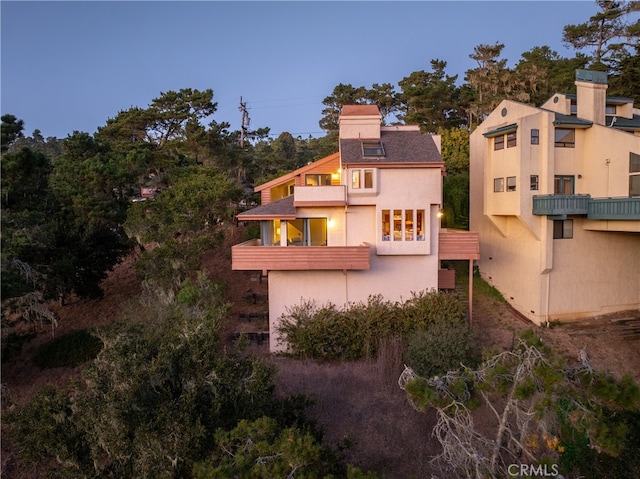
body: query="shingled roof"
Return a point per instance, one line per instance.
(401, 146)
(281, 209)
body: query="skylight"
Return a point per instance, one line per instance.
(372, 148)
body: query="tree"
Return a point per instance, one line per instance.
(161, 397)
(489, 81)
(343, 94)
(541, 72)
(430, 99)
(541, 408)
(601, 31)
(10, 130)
(180, 223)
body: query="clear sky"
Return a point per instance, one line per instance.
(72, 65)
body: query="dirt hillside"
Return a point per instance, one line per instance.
(358, 404)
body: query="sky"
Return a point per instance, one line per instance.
(70, 66)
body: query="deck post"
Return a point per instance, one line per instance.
(470, 291)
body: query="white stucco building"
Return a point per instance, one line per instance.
(362, 221)
(555, 198)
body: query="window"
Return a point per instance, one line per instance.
(511, 139)
(634, 174)
(610, 110)
(405, 225)
(535, 136)
(498, 185)
(563, 185)
(307, 232)
(498, 142)
(511, 183)
(574, 107)
(361, 179)
(317, 179)
(565, 138)
(562, 229)
(533, 182)
(372, 148)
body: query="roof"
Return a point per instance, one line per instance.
(624, 123)
(360, 110)
(571, 120)
(289, 176)
(501, 130)
(408, 147)
(281, 209)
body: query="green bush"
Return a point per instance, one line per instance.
(69, 350)
(325, 332)
(444, 345)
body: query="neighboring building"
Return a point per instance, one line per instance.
(360, 222)
(555, 198)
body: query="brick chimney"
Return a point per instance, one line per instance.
(591, 95)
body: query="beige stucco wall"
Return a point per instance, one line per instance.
(593, 273)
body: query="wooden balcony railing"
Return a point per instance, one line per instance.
(253, 257)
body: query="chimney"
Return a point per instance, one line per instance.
(591, 95)
(360, 122)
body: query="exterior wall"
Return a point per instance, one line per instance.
(605, 170)
(388, 276)
(595, 272)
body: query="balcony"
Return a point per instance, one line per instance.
(251, 256)
(623, 208)
(614, 209)
(558, 205)
(334, 195)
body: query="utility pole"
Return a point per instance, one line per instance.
(245, 121)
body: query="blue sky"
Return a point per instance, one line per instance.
(69, 66)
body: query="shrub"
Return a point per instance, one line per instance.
(444, 345)
(69, 350)
(324, 332)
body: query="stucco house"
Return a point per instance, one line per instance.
(359, 222)
(555, 198)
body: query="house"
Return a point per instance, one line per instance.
(360, 222)
(555, 198)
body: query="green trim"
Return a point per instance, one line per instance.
(501, 131)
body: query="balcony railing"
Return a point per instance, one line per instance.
(250, 256)
(560, 204)
(614, 209)
(623, 208)
(334, 195)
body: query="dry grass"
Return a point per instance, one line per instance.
(360, 403)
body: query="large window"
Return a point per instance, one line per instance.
(634, 174)
(563, 185)
(307, 232)
(565, 138)
(562, 229)
(403, 225)
(317, 179)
